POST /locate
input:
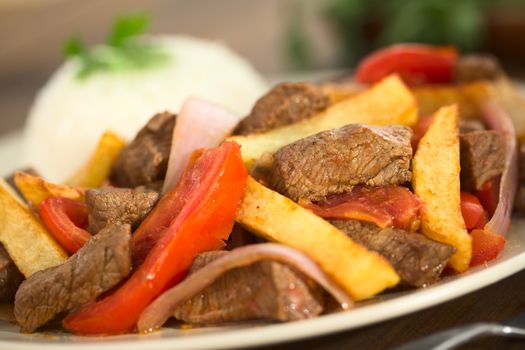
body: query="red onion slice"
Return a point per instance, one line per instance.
(200, 124)
(163, 307)
(497, 119)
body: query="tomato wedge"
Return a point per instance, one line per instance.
(170, 205)
(472, 211)
(205, 219)
(486, 246)
(65, 219)
(416, 64)
(488, 196)
(385, 206)
(419, 130)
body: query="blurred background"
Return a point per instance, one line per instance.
(278, 37)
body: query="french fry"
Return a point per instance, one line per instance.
(360, 272)
(97, 169)
(436, 181)
(387, 102)
(23, 236)
(338, 92)
(506, 93)
(468, 97)
(35, 189)
(471, 97)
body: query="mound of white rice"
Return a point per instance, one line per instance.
(69, 115)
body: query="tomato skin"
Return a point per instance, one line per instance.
(416, 64)
(488, 196)
(385, 206)
(472, 211)
(486, 246)
(205, 220)
(167, 209)
(419, 130)
(65, 219)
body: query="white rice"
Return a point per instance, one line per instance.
(69, 115)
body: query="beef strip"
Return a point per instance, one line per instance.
(284, 104)
(240, 237)
(144, 161)
(333, 161)
(10, 277)
(263, 290)
(477, 67)
(261, 170)
(118, 206)
(98, 266)
(468, 125)
(520, 193)
(482, 158)
(418, 260)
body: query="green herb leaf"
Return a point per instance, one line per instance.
(127, 27)
(124, 49)
(73, 47)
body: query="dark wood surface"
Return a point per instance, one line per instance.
(28, 55)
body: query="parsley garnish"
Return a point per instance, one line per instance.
(124, 49)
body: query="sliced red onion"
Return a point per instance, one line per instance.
(497, 119)
(200, 124)
(163, 307)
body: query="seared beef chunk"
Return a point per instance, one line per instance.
(333, 161)
(240, 237)
(418, 260)
(118, 206)
(477, 67)
(468, 125)
(10, 277)
(145, 160)
(261, 170)
(520, 195)
(98, 266)
(264, 290)
(482, 158)
(285, 104)
(520, 199)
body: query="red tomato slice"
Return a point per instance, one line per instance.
(205, 219)
(486, 246)
(416, 64)
(65, 219)
(420, 129)
(472, 211)
(385, 206)
(488, 196)
(170, 205)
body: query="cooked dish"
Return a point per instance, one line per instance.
(325, 195)
(121, 86)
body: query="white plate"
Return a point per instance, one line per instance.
(383, 308)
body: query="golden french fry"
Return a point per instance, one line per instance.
(387, 102)
(97, 169)
(360, 272)
(468, 97)
(35, 189)
(23, 236)
(505, 92)
(340, 91)
(436, 181)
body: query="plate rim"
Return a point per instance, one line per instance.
(268, 334)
